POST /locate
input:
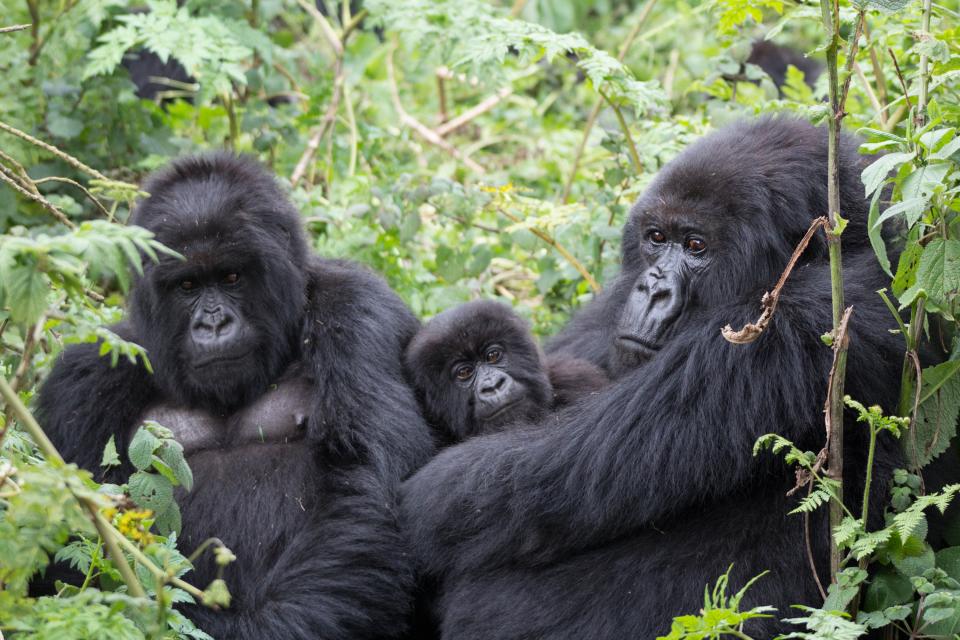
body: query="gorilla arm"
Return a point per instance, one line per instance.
(356, 331)
(673, 435)
(84, 401)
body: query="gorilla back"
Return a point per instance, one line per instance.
(280, 374)
(613, 521)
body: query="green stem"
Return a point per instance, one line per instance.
(634, 156)
(56, 460)
(864, 510)
(830, 12)
(921, 115)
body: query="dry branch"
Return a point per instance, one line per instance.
(752, 331)
(479, 109)
(424, 131)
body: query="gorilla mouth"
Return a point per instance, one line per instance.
(637, 344)
(500, 411)
(220, 359)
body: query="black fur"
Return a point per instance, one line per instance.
(463, 337)
(611, 522)
(774, 60)
(313, 522)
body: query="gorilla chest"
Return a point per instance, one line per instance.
(255, 476)
(278, 417)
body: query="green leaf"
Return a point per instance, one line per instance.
(171, 452)
(912, 563)
(874, 175)
(151, 491)
(938, 274)
(949, 560)
(110, 456)
(922, 182)
(890, 6)
(936, 422)
(907, 269)
(911, 208)
(875, 233)
(887, 588)
(141, 449)
(169, 520)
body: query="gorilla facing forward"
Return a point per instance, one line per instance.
(613, 521)
(280, 373)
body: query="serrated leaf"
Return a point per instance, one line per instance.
(936, 422)
(150, 491)
(890, 6)
(141, 449)
(907, 265)
(169, 521)
(938, 273)
(171, 452)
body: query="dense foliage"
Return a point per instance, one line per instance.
(462, 149)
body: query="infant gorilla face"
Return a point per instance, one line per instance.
(477, 369)
(483, 376)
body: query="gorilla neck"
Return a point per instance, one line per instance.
(277, 417)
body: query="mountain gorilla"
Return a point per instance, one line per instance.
(477, 369)
(613, 521)
(281, 374)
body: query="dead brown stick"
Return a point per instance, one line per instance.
(479, 109)
(752, 331)
(424, 131)
(8, 176)
(874, 102)
(331, 36)
(326, 124)
(66, 157)
(840, 343)
(16, 27)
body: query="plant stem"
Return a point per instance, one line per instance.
(865, 509)
(595, 112)
(634, 156)
(830, 12)
(53, 456)
(920, 116)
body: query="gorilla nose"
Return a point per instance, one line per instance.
(214, 326)
(492, 386)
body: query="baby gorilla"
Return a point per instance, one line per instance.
(477, 369)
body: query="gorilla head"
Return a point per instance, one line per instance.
(706, 232)
(222, 323)
(477, 369)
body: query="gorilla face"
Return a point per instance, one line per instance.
(672, 253)
(484, 381)
(477, 370)
(221, 324)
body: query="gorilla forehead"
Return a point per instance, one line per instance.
(756, 168)
(206, 206)
(464, 331)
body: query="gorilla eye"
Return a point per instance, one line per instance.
(696, 245)
(231, 278)
(186, 285)
(657, 237)
(493, 355)
(463, 372)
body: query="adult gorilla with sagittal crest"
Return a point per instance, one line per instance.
(613, 520)
(280, 373)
